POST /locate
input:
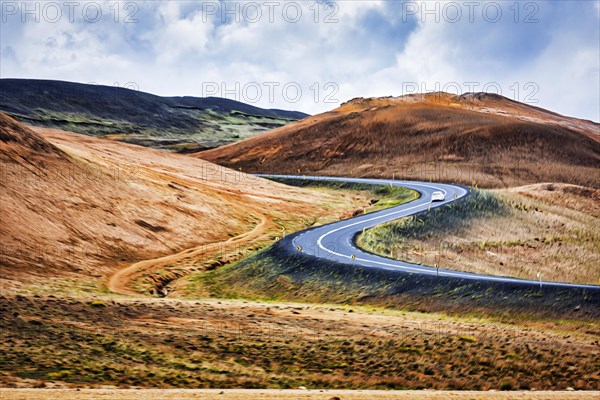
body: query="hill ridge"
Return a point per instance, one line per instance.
(179, 123)
(491, 140)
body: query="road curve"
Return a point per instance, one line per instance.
(335, 241)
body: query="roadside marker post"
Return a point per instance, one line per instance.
(540, 278)
(353, 257)
(437, 270)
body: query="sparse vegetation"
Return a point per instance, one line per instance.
(185, 124)
(513, 233)
(371, 329)
(428, 140)
(120, 212)
(232, 344)
(382, 196)
(276, 274)
(454, 216)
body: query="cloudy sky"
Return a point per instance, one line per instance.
(310, 56)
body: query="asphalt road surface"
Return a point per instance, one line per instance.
(335, 241)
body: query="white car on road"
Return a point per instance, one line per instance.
(438, 196)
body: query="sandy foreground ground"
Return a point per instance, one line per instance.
(275, 394)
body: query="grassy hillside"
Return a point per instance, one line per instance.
(92, 230)
(486, 139)
(77, 209)
(181, 124)
(551, 229)
(380, 196)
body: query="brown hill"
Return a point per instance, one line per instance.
(76, 206)
(475, 137)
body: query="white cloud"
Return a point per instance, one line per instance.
(370, 51)
(563, 77)
(176, 36)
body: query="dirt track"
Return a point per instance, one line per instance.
(119, 282)
(235, 394)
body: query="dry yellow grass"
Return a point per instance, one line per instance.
(165, 343)
(178, 213)
(241, 394)
(553, 229)
(487, 139)
(75, 209)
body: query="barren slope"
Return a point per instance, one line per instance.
(482, 138)
(82, 207)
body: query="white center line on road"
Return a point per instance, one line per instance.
(344, 249)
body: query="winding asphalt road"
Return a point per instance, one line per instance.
(335, 241)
